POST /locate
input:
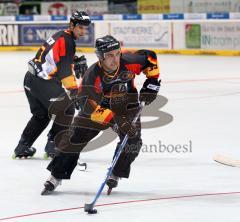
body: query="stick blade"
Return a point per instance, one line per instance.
(88, 207)
(226, 160)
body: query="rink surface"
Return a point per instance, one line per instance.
(203, 95)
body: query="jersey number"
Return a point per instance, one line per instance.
(50, 41)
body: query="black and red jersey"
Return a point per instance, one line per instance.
(54, 59)
(97, 85)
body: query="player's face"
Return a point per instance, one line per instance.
(79, 31)
(111, 60)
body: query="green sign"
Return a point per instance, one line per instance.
(193, 36)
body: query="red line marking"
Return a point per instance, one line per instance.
(119, 203)
(201, 80)
(167, 81)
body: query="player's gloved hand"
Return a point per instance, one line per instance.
(149, 91)
(124, 126)
(80, 66)
(74, 97)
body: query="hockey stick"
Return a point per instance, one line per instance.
(89, 207)
(225, 160)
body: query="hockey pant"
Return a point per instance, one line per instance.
(65, 161)
(39, 92)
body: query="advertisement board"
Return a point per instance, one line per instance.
(142, 34)
(213, 36)
(204, 6)
(9, 35)
(35, 35)
(66, 8)
(9, 9)
(153, 6)
(30, 8)
(220, 36)
(193, 36)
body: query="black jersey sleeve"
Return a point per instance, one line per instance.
(90, 89)
(63, 54)
(150, 65)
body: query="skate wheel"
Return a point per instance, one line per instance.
(14, 156)
(45, 156)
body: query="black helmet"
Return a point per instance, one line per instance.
(106, 44)
(80, 18)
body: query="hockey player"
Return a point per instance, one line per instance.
(49, 73)
(109, 99)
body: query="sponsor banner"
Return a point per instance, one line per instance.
(193, 36)
(122, 7)
(234, 15)
(173, 16)
(66, 8)
(35, 35)
(1, 9)
(58, 17)
(218, 15)
(42, 18)
(24, 18)
(7, 18)
(195, 16)
(30, 8)
(132, 17)
(204, 6)
(220, 36)
(112, 17)
(144, 34)
(9, 9)
(96, 17)
(55, 8)
(152, 16)
(91, 7)
(9, 35)
(153, 6)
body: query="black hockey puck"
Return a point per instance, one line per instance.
(92, 211)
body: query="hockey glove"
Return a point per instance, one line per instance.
(149, 91)
(124, 126)
(80, 66)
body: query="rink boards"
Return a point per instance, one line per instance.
(194, 37)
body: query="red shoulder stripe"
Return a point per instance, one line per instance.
(59, 49)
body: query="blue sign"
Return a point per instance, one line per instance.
(24, 18)
(218, 15)
(35, 35)
(96, 17)
(173, 16)
(58, 17)
(132, 17)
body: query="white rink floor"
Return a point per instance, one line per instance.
(203, 94)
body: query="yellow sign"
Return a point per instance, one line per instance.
(153, 6)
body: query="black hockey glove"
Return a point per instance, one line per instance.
(74, 97)
(149, 91)
(124, 126)
(80, 66)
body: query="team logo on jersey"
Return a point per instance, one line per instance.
(126, 76)
(122, 87)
